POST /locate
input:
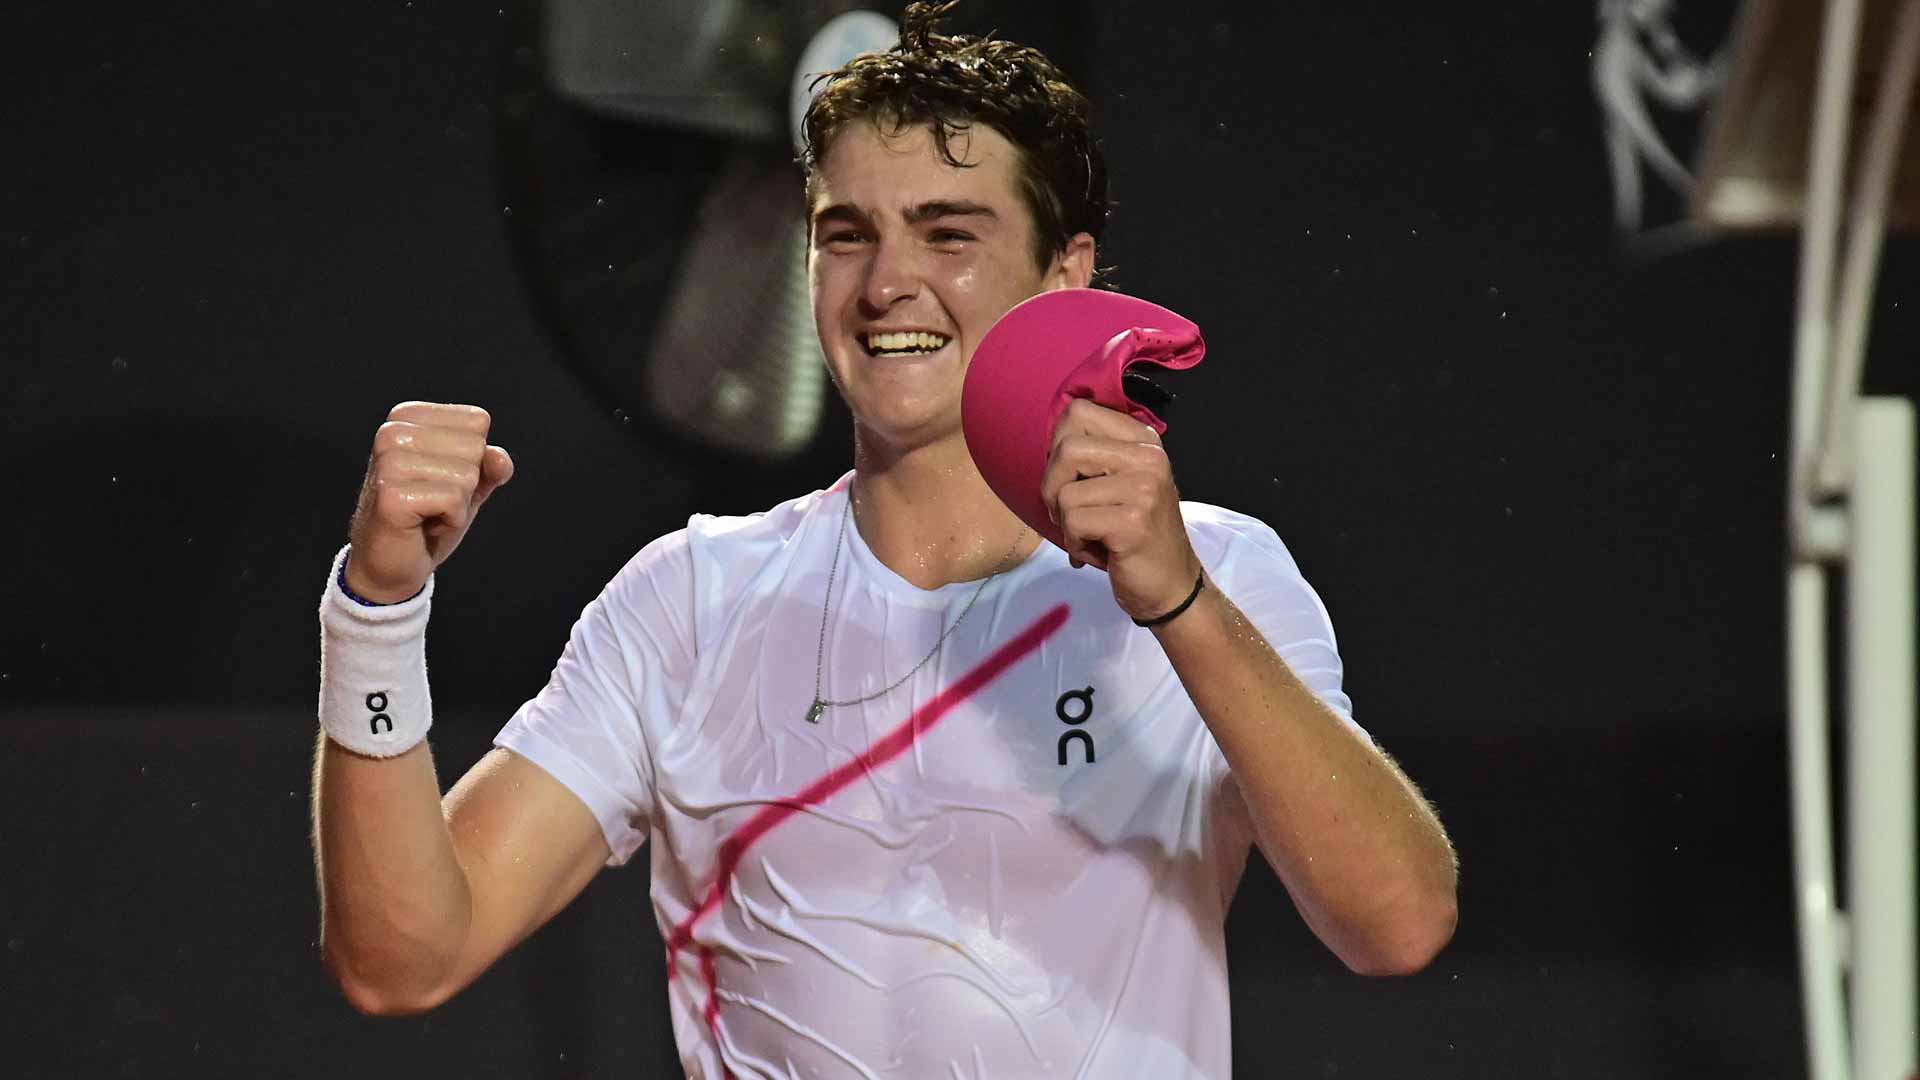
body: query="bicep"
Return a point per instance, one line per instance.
(528, 845)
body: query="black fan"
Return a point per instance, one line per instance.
(648, 166)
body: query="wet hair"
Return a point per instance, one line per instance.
(949, 83)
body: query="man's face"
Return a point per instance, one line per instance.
(912, 259)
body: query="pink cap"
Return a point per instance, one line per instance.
(1045, 352)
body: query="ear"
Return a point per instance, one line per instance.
(1073, 267)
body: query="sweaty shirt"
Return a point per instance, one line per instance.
(1017, 863)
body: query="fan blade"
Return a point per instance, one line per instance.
(736, 361)
(711, 65)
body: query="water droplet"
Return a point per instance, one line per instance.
(621, 415)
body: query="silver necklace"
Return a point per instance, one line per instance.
(821, 704)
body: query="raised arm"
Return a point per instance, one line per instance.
(419, 895)
(1359, 850)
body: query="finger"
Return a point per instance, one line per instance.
(1095, 534)
(455, 443)
(1078, 457)
(410, 504)
(404, 466)
(1112, 527)
(1095, 455)
(496, 468)
(1130, 489)
(1089, 553)
(1083, 417)
(470, 418)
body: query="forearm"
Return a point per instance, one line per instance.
(395, 903)
(1359, 850)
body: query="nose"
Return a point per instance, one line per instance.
(892, 276)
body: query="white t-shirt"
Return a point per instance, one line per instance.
(1027, 873)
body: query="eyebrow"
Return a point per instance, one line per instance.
(915, 215)
(930, 211)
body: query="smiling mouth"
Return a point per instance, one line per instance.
(910, 343)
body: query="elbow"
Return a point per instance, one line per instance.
(370, 994)
(1413, 943)
(369, 1000)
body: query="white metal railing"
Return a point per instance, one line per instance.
(1851, 503)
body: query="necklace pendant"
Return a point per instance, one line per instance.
(814, 711)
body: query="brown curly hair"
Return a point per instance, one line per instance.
(951, 82)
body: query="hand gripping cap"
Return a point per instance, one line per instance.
(1042, 354)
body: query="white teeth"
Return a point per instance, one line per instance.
(911, 340)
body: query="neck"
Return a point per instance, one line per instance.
(928, 514)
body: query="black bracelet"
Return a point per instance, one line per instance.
(1184, 604)
(363, 601)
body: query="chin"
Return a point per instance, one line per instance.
(903, 414)
(905, 432)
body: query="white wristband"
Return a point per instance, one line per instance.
(373, 670)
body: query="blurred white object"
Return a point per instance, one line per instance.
(1637, 58)
(844, 37)
(1781, 151)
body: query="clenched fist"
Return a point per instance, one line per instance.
(430, 472)
(1110, 487)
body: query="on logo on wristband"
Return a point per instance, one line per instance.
(377, 705)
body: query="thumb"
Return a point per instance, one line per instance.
(496, 468)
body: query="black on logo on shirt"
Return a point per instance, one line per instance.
(377, 705)
(1074, 708)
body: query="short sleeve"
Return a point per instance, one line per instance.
(622, 674)
(1255, 570)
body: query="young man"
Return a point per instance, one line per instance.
(926, 799)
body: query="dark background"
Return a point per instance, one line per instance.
(1536, 478)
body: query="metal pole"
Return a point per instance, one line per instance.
(1872, 190)
(1880, 742)
(1820, 924)
(1819, 236)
